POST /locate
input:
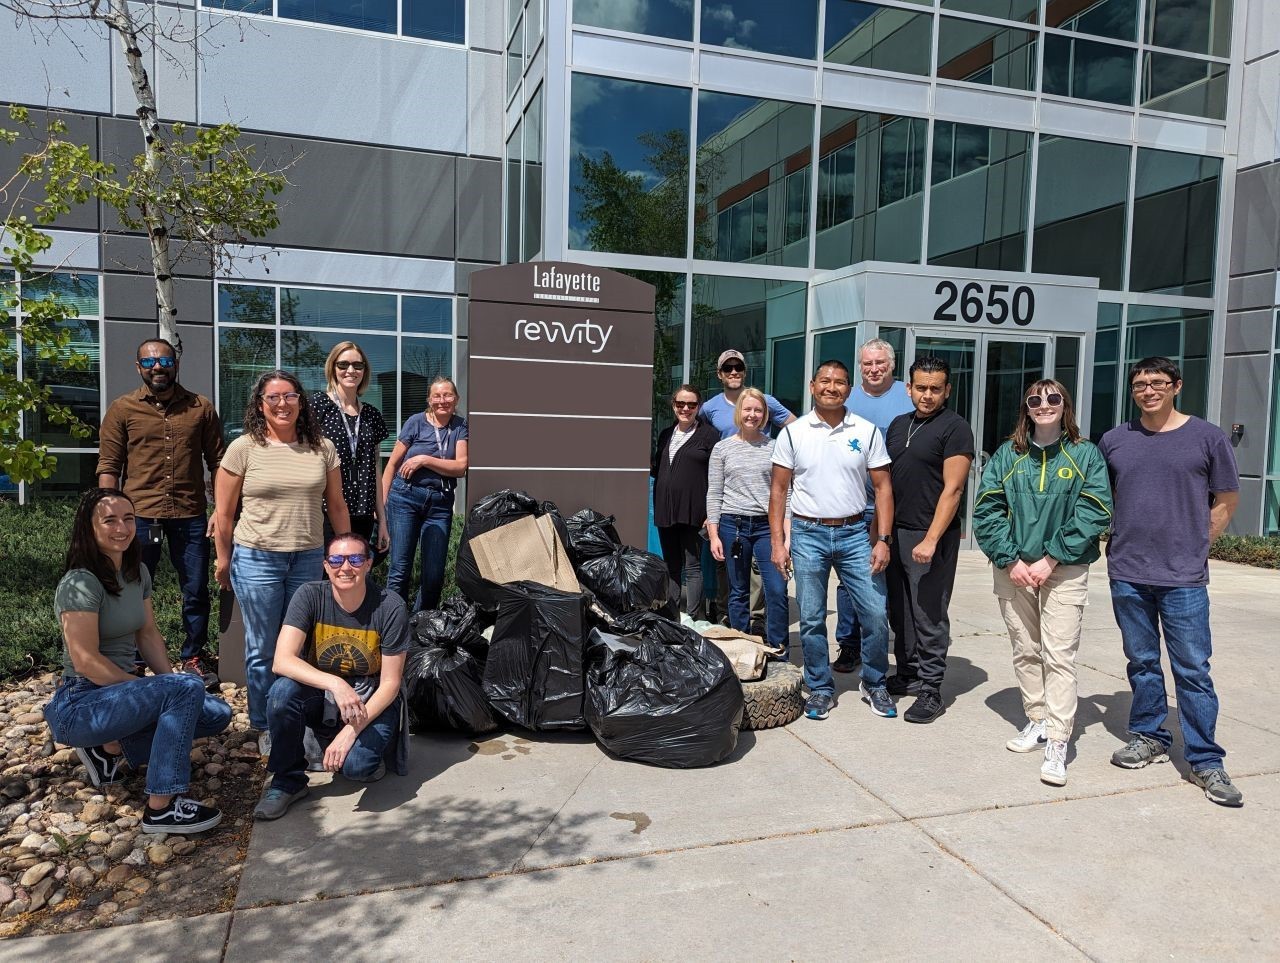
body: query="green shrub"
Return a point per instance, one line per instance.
(1255, 550)
(33, 544)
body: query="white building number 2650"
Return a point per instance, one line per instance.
(995, 303)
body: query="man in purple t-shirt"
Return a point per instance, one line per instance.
(1176, 487)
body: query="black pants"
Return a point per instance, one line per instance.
(919, 599)
(682, 551)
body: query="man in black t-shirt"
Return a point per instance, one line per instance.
(932, 449)
(340, 658)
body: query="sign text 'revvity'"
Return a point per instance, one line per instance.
(551, 279)
(583, 332)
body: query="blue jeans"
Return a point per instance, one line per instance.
(154, 719)
(418, 519)
(815, 551)
(189, 553)
(848, 631)
(753, 534)
(264, 583)
(1141, 611)
(293, 707)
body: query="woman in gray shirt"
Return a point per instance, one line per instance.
(738, 517)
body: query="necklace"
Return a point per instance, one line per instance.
(912, 433)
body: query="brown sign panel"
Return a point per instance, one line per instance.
(560, 387)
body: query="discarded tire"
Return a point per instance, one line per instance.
(774, 700)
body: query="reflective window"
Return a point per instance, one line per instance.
(515, 58)
(870, 188)
(657, 18)
(377, 15)
(1184, 86)
(243, 355)
(532, 232)
(749, 314)
(345, 310)
(422, 360)
(1175, 221)
(240, 6)
(303, 353)
(986, 53)
(1106, 370)
(246, 304)
(1075, 67)
(1027, 11)
(75, 388)
(1179, 334)
(434, 19)
(79, 291)
(978, 202)
(74, 474)
(878, 37)
(1197, 26)
(511, 243)
(444, 20)
(670, 294)
(766, 26)
(629, 179)
(1116, 19)
(748, 150)
(426, 315)
(1080, 209)
(1066, 365)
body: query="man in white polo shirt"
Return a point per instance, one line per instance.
(825, 460)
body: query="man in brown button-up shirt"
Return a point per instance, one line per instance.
(152, 442)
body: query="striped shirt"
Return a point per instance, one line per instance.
(738, 478)
(282, 493)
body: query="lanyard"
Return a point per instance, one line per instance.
(439, 444)
(353, 436)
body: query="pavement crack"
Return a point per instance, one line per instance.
(518, 865)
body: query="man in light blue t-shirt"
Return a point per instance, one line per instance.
(879, 399)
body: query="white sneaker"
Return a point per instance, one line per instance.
(1030, 739)
(1054, 769)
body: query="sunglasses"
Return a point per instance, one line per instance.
(357, 559)
(686, 404)
(1039, 401)
(732, 368)
(344, 365)
(148, 363)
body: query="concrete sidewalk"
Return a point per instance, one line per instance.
(857, 835)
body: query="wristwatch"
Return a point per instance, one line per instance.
(887, 539)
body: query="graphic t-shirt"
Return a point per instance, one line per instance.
(350, 644)
(919, 449)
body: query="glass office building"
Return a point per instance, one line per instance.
(1028, 187)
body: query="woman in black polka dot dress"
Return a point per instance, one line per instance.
(357, 429)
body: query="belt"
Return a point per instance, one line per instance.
(829, 522)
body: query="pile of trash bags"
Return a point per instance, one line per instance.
(583, 635)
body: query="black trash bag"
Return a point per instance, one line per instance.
(653, 625)
(455, 623)
(629, 580)
(535, 673)
(494, 511)
(674, 705)
(443, 684)
(591, 535)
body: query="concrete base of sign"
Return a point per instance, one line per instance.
(230, 639)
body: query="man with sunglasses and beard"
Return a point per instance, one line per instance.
(155, 445)
(340, 660)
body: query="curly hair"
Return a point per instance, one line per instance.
(255, 423)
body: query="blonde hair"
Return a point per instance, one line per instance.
(755, 393)
(330, 375)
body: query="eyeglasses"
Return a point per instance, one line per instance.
(344, 365)
(1039, 401)
(289, 397)
(686, 404)
(1138, 387)
(148, 363)
(732, 367)
(357, 560)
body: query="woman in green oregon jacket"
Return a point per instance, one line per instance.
(1044, 500)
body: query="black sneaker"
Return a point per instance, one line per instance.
(878, 699)
(926, 708)
(819, 706)
(847, 661)
(182, 816)
(1218, 787)
(899, 686)
(103, 767)
(199, 666)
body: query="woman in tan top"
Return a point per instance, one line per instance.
(280, 472)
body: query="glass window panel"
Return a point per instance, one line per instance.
(246, 304)
(841, 345)
(1012, 366)
(533, 25)
(1066, 366)
(73, 475)
(304, 352)
(749, 314)
(241, 6)
(511, 243)
(434, 19)
(243, 355)
(878, 37)
(1175, 222)
(74, 388)
(669, 291)
(788, 383)
(422, 360)
(797, 206)
(426, 315)
(1026, 11)
(767, 26)
(515, 59)
(1080, 209)
(1273, 509)
(377, 15)
(870, 188)
(1074, 67)
(1176, 333)
(513, 12)
(746, 148)
(349, 310)
(1197, 26)
(1181, 85)
(630, 170)
(986, 53)
(79, 291)
(657, 18)
(1117, 19)
(1273, 443)
(978, 202)
(532, 232)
